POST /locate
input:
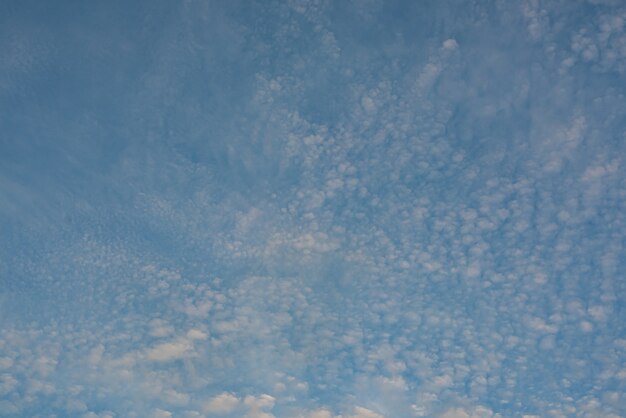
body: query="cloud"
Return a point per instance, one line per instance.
(320, 413)
(223, 404)
(169, 351)
(416, 205)
(450, 44)
(196, 334)
(475, 412)
(360, 412)
(160, 413)
(160, 328)
(455, 413)
(7, 383)
(172, 397)
(257, 406)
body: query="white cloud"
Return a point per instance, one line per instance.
(539, 324)
(173, 397)
(8, 407)
(586, 326)
(196, 334)
(316, 242)
(473, 412)
(7, 383)
(360, 412)
(455, 413)
(450, 44)
(198, 309)
(160, 328)
(5, 362)
(160, 413)
(473, 270)
(222, 404)
(95, 355)
(428, 76)
(75, 405)
(368, 104)
(258, 406)
(169, 351)
(320, 413)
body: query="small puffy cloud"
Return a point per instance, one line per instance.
(95, 355)
(473, 270)
(75, 405)
(5, 362)
(258, 405)
(7, 383)
(160, 413)
(360, 412)
(472, 412)
(173, 397)
(320, 413)
(428, 76)
(160, 328)
(222, 404)
(455, 413)
(247, 220)
(368, 104)
(443, 381)
(450, 44)
(586, 326)
(199, 309)
(318, 242)
(279, 387)
(539, 324)
(168, 351)
(196, 334)
(45, 365)
(396, 382)
(8, 407)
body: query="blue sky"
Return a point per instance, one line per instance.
(313, 209)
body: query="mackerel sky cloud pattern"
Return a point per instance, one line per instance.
(313, 209)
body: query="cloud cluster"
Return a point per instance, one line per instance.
(310, 209)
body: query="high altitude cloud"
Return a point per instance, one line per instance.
(313, 209)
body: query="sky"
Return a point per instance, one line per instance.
(313, 209)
